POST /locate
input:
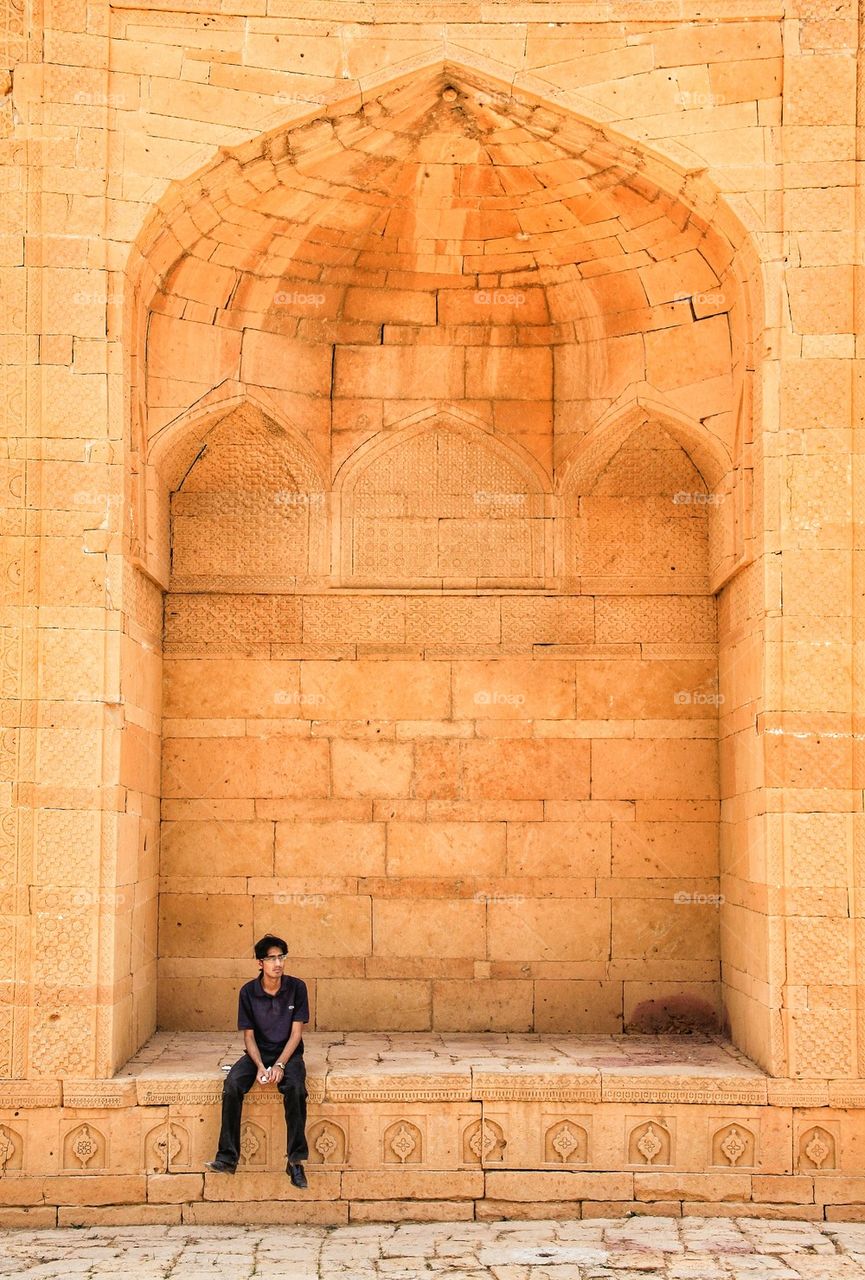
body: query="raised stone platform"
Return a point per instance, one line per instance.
(433, 1126)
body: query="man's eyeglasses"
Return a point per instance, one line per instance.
(275, 959)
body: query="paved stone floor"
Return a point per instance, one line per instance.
(629, 1249)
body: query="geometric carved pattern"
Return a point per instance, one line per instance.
(247, 509)
(233, 624)
(166, 1147)
(402, 1143)
(439, 504)
(645, 515)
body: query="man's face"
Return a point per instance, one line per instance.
(273, 964)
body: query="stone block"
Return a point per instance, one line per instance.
(558, 848)
(249, 1188)
(30, 1219)
(282, 1212)
(519, 770)
(409, 1182)
(330, 848)
(371, 769)
(374, 690)
(411, 1211)
(95, 1189)
(427, 927)
(370, 1004)
(543, 929)
(446, 848)
(218, 848)
(654, 770)
(237, 767)
(134, 1215)
(692, 1186)
(522, 1186)
(482, 1005)
(174, 1188)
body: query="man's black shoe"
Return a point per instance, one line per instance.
(298, 1177)
(216, 1166)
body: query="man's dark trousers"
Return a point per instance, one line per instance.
(292, 1086)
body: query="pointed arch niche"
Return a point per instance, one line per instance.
(441, 502)
(498, 340)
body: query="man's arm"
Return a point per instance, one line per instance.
(252, 1048)
(290, 1045)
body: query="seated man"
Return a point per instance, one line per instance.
(272, 1012)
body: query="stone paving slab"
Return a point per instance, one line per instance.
(600, 1249)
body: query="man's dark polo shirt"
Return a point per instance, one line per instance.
(270, 1017)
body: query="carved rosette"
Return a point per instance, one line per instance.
(817, 1150)
(85, 1148)
(650, 1143)
(11, 1149)
(253, 1145)
(403, 1143)
(733, 1146)
(327, 1143)
(566, 1142)
(483, 1142)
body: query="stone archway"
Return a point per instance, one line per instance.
(439, 251)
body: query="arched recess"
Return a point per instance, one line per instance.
(235, 498)
(677, 478)
(439, 500)
(336, 269)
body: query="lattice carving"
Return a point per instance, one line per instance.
(230, 624)
(690, 619)
(442, 504)
(247, 505)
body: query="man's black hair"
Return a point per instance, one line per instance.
(269, 940)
